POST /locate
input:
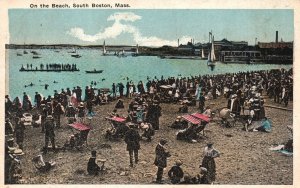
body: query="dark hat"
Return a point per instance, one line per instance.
(209, 144)
(93, 152)
(163, 141)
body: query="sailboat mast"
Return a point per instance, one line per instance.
(137, 49)
(213, 57)
(104, 50)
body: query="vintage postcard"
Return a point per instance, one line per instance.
(140, 93)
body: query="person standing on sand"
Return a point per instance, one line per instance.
(201, 102)
(161, 159)
(49, 133)
(57, 112)
(208, 162)
(132, 139)
(114, 90)
(154, 113)
(19, 132)
(121, 89)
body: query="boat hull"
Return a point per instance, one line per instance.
(94, 72)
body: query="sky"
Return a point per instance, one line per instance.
(147, 27)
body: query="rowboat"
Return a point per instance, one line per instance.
(94, 71)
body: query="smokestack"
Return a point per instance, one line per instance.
(276, 37)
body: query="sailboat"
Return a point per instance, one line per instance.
(202, 54)
(211, 59)
(122, 53)
(25, 52)
(73, 51)
(136, 51)
(76, 55)
(104, 49)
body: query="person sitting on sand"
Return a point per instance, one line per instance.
(41, 165)
(70, 143)
(119, 104)
(179, 124)
(148, 131)
(202, 178)
(114, 114)
(187, 179)
(184, 108)
(92, 167)
(188, 134)
(176, 173)
(207, 111)
(266, 125)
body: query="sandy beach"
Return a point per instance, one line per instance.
(245, 156)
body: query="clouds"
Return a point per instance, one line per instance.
(126, 16)
(118, 28)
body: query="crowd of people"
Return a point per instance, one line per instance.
(244, 92)
(52, 67)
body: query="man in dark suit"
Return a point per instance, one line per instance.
(161, 159)
(132, 139)
(49, 132)
(201, 102)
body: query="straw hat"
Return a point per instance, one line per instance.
(202, 169)
(131, 125)
(144, 126)
(18, 152)
(49, 117)
(101, 160)
(178, 162)
(233, 96)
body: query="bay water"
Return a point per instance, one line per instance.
(115, 70)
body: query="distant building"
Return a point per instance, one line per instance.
(189, 47)
(219, 45)
(275, 45)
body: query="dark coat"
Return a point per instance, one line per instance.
(92, 167)
(19, 131)
(161, 156)
(132, 139)
(49, 128)
(175, 174)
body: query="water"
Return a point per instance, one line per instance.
(116, 70)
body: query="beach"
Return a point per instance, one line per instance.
(245, 156)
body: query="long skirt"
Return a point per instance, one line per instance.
(210, 165)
